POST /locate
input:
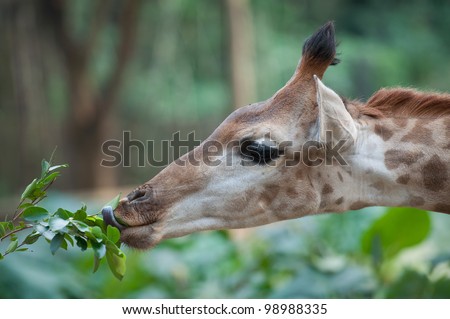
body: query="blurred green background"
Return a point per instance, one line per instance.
(77, 73)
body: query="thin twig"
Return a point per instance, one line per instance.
(18, 212)
(15, 231)
(51, 156)
(22, 244)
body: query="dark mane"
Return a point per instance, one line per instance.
(409, 103)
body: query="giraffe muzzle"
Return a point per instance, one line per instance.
(110, 219)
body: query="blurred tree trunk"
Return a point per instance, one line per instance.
(241, 42)
(89, 116)
(23, 99)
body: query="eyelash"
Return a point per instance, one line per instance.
(259, 153)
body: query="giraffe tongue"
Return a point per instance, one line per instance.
(109, 218)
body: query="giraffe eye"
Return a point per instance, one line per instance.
(257, 152)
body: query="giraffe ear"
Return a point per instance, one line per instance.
(334, 121)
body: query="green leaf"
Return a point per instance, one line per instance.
(34, 214)
(92, 238)
(1, 257)
(9, 225)
(50, 178)
(25, 205)
(49, 235)
(57, 223)
(64, 214)
(112, 248)
(41, 229)
(56, 243)
(2, 230)
(397, 229)
(96, 264)
(45, 166)
(81, 242)
(80, 215)
(58, 167)
(37, 193)
(99, 253)
(64, 243)
(113, 234)
(117, 264)
(29, 189)
(95, 221)
(99, 249)
(82, 227)
(12, 246)
(22, 249)
(69, 239)
(97, 232)
(113, 202)
(32, 238)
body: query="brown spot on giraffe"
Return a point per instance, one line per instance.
(403, 179)
(379, 185)
(270, 192)
(339, 201)
(419, 134)
(292, 192)
(327, 189)
(435, 174)
(383, 132)
(360, 204)
(394, 158)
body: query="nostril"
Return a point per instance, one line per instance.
(137, 195)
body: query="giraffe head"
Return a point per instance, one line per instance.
(255, 168)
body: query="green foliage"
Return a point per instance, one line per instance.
(397, 229)
(186, 68)
(62, 228)
(292, 259)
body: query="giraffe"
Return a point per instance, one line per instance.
(303, 151)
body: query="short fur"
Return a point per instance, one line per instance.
(407, 103)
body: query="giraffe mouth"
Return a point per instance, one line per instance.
(137, 235)
(110, 219)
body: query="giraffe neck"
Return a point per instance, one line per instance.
(397, 162)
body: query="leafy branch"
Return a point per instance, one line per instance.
(62, 228)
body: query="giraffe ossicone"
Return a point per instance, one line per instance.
(303, 151)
